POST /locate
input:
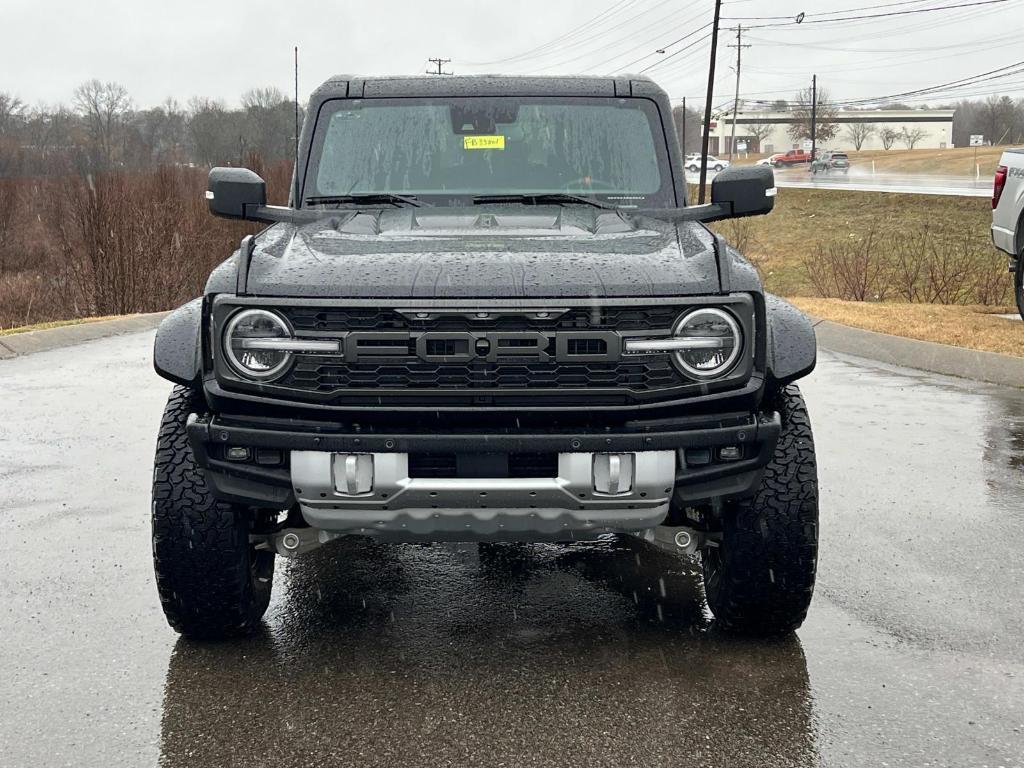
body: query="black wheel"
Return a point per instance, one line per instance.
(718, 168)
(760, 580)
(778, 163)
(1018, 286)
(212, 582)
(693, 169)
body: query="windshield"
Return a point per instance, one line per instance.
(450, 151)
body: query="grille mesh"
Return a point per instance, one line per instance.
(325, 375)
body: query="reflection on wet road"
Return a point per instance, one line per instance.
(862, 179)
(591, 655)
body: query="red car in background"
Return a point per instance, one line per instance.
(793, 157)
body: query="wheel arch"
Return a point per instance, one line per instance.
(792, 349)
(178, 348)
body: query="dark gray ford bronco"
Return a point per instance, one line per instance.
(488, 314)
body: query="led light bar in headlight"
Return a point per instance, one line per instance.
(705, 343)
(259, 344)
(244, 338)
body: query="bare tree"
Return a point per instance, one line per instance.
(888, 137)
(858, 133)
(8, 207)
(760, 132)
(911, 137)
(105, 107)
(270, 118)
(998, 117)
(218, 135)
(826, 127)
(691, 122)
(12, 109)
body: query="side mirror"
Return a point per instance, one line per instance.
(744, 191)
(235, 193)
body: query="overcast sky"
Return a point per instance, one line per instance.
(218, 49)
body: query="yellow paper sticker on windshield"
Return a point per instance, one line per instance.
(483, 142)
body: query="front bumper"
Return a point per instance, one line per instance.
(1003, 239)
(676, 464)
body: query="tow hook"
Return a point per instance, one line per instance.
(290, 542)
(679, 539)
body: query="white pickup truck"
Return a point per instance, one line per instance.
(1008, 216)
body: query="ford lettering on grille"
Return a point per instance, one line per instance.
(361, 347)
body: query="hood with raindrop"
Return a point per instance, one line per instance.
(479, 252)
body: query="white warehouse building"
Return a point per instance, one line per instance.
(935, 127)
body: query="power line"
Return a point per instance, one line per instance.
(805, 20)
(562, 38)
(828, 13)
(660, 62)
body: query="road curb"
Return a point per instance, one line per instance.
(923, 355)
(30, 342)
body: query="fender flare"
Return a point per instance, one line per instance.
(792, 349)
(178, 348)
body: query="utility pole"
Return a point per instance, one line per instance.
(439, 62)
(739, 46)
(683, 148)
(814, 115)
(707, 102)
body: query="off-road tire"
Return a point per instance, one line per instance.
(212, 582)
(760, 580)
(1018, 286)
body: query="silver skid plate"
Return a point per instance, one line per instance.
(556, 508)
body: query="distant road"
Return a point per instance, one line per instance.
(914, 184)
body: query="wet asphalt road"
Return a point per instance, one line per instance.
(860, 178)
(400, 656)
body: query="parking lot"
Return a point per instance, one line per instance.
(398, 655)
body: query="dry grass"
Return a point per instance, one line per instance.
(55, 324)
(969, 327)
(945, 162)
(803, 219)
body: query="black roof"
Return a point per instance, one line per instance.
(353, 86)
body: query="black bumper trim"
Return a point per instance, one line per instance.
(742, 434)
(273, 487)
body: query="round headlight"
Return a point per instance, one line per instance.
(249, 343)
(717, 341)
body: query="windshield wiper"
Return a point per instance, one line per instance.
(365, 198)
(540, 198)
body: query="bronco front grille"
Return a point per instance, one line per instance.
(536, 354)
(515, 370)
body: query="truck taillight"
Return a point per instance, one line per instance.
(997, 185)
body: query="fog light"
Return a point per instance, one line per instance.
(353, 473)
(613, 473)
(237, 453)
(697, 457)
(730, 453)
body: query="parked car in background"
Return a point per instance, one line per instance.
(830, 161)
(693, 163)
(793, 157)
(1008, 216)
